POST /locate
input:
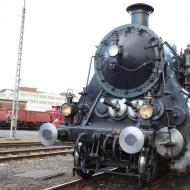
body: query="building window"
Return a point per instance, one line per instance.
(59, 98)
(33, 101)
(51, 97)
(42, 102)
(43, 96)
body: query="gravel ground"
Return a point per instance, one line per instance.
(178, 181)
(9, 171)
(28, 174)
(35, 168)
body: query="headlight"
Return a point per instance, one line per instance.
(113, 50)
(66, 109)
(146, 111)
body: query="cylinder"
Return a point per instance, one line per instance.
(140, 13)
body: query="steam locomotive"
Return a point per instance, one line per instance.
(133, 116)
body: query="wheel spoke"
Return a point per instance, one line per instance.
(149, 166)
(80, 162)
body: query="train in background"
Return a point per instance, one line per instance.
(31, 120)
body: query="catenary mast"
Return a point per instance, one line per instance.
(14, 113)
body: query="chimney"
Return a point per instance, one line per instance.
(140, 13)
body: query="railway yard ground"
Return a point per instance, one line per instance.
(45, 171)
(21, 136)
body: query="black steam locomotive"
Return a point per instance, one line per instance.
(133, 116)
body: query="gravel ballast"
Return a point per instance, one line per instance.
(29, 175)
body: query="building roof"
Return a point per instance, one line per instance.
(4, 90)
(28, 89)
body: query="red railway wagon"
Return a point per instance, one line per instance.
(30, 119)
(4, 116)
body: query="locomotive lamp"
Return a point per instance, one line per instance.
(113, 50)
(66, 109)
(146, 111)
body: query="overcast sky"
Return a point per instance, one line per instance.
(60, 37)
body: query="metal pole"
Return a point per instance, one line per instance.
(14, 114)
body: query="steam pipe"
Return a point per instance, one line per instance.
(108, 103)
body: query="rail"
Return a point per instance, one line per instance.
(18, 144)
(33, 153)
(82, 184)
(77, 184)
(159, 183)
(25, 144)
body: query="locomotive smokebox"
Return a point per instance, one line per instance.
(128, 64)
(140, 13)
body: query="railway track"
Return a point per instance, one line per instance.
(27, 144)
(19, 144)
(159, 183)
(78, 184)
(92, 184)
(34, 152)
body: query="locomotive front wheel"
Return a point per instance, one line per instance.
(79, 163)
(147, 166)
